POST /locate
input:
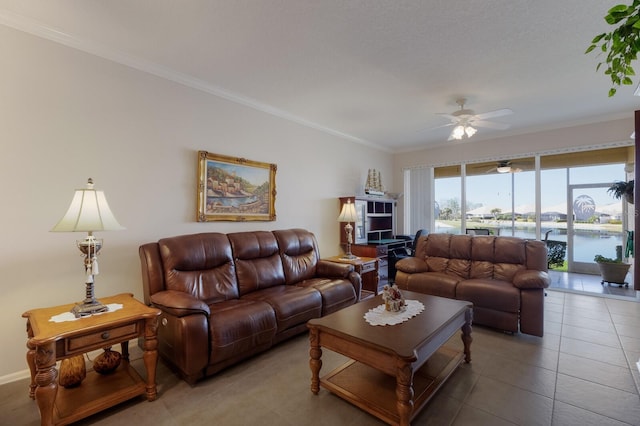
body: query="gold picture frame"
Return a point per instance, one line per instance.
(235, 189)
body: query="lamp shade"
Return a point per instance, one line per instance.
(88, 212)
(348, 212)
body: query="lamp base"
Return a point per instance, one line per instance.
(349, 256)
(85, 308)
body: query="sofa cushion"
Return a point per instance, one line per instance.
(258, 264)
(495, 294)
(437, 264)
(200, 265)
(248, 324)
(293, 305)
(435, 283)
(336, 293)
(481, 269)
(299, 253)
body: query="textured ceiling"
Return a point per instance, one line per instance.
(373, 71)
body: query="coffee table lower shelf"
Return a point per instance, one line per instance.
(375, 392)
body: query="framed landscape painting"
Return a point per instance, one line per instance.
(235, 189)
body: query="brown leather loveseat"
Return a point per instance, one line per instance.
(504, 277)
(226, 297)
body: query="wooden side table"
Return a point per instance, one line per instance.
(367, 267)
(52, 341)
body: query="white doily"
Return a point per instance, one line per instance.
(68, 316)
(380, 316)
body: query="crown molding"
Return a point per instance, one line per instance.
(30, 26)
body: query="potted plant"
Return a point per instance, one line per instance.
(612, 270)
(621, 189)
(621, 45)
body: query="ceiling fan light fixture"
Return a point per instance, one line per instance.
(470, 131)
(457, 132)
(503, 169)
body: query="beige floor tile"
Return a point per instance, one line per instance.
(510, 403)
(585, 301)
(565, 414)
(600, 399)
(553, 317)
(589, 335)
(463, 379)
(471, 416)
(630, 343)
(593, 351)
(524, 376)
(623, 307)
(441, 410)
(604, 324)
(597, 314)
(551, 327)
(628, 327)
(553, 307)
(596, 371)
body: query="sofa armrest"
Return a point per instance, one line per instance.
(333, 269)
(412, 265)
(345, 271)
(531, 278)
(179, 304)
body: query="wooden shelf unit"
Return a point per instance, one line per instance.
(374, 232)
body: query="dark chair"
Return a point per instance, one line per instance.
(400, 253)
(478, 231)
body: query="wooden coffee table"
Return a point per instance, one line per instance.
(394, 369)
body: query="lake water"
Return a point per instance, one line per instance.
(587, 243)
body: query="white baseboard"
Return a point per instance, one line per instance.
(14, 377)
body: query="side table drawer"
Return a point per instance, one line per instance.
(92, 341)
(367, 267)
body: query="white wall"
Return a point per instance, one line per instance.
(66, 115)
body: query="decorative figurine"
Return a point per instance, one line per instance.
(393, 300)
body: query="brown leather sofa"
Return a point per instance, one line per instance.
(226, 297)
(504, 277)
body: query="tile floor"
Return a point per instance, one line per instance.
(590, 284)
(582, 372)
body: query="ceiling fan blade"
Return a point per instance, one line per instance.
(494, 114)
(435, 128)
(447, 115)
(489, 124)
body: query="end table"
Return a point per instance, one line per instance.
(52, 341)
(367, 267)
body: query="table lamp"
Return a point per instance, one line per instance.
(88, 212)
(348, 214)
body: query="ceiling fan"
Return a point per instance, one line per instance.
(465, 121)
(505, 167)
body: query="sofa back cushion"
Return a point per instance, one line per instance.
(257, 258)
(509, 257)
(200, 265)
(299, 253)
(467, 256)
